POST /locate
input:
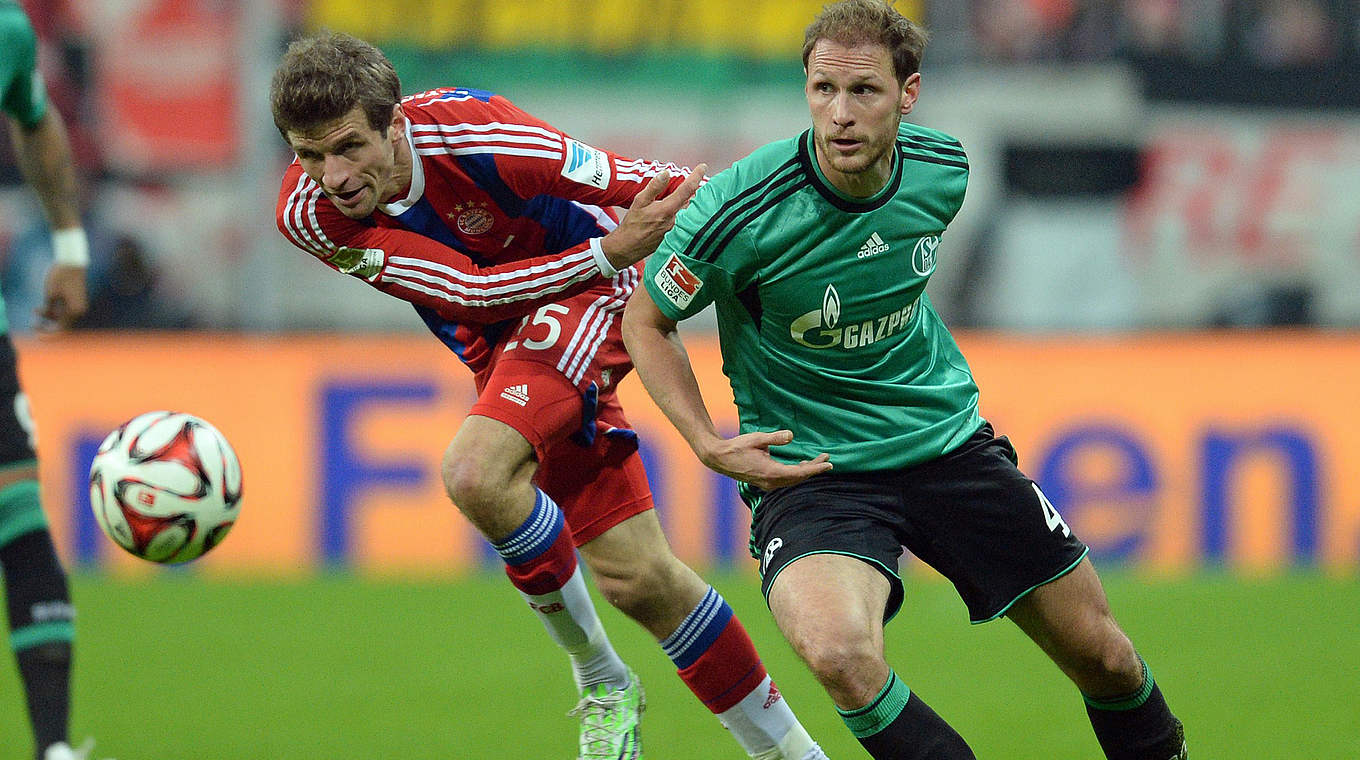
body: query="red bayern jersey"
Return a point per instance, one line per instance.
(496, 223)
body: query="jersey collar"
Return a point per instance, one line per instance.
(807, 158)
(399, 207)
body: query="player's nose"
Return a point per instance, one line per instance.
(841, 111)
(334, 173)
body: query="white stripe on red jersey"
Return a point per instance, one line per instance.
(594, 326)
(555, 276)
(304, 229)
(643, 170)
(409, 280)
(477, 149)
(613, 310)
(485, 139)
(491, 126)
(293, 218)
(495, 137)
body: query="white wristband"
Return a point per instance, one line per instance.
(607, 270)
(70, 247)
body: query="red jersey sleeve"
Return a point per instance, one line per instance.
(533, 157)
(422, 271)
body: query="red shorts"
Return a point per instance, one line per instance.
(542, 382)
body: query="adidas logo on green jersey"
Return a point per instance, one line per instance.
(872, 247)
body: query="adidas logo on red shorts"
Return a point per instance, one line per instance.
(516, 393)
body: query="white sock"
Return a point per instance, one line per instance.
(767, 729)
(569, 615)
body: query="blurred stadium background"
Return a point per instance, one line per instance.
(1156, 276)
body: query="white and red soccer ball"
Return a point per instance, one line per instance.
(165, 486)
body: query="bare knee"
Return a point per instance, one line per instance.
(490, 492)
(635, 570)
(830, 609)
(642, 587)
(479, 476)
(463, 479)
(848, 662)
(1070, 619)
(469, 482)
(488, 472)
(1106, 663)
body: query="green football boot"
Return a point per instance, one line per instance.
(611, 721)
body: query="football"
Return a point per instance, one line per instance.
(165, 486)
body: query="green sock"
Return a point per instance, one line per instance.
(898, 725)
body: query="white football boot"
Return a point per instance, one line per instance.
(64, 751)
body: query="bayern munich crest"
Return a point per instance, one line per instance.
(473, 218)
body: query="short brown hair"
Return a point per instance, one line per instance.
(321, 78)
(855, 22)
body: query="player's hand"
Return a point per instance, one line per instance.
(747, 458)
(64, 298)
(649, 218)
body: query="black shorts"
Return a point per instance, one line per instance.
(16, 425)
(970, 514)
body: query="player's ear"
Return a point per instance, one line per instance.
(397, 128)
(911, 90)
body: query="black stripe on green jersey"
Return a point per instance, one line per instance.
(928, 139)
(700, 246)
(831, 196)
(759, 211)
(934, 160)
(735, 207)
(915, 152)
(910, 143)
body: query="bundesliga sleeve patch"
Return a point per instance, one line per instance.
(677, 282)
(360, 262)
(587, 165)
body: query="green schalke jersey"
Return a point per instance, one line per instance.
(22, 95)
(824, 323)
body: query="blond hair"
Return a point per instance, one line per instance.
(856, 22)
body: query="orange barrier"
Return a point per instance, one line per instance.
(1171, 452)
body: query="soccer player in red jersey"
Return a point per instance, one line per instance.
(500, 230)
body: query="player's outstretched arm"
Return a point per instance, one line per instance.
(649, 218)
(660, 359)
(424, 271)
(44, 158)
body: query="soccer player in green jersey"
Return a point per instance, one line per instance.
(815, 251)
(41, 618)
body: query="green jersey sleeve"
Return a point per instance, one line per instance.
(689, 271)
(22, 95)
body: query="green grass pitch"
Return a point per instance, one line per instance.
(178, 668)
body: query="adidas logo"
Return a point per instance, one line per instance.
(774, 696)
(872, 247)
(516, 393)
